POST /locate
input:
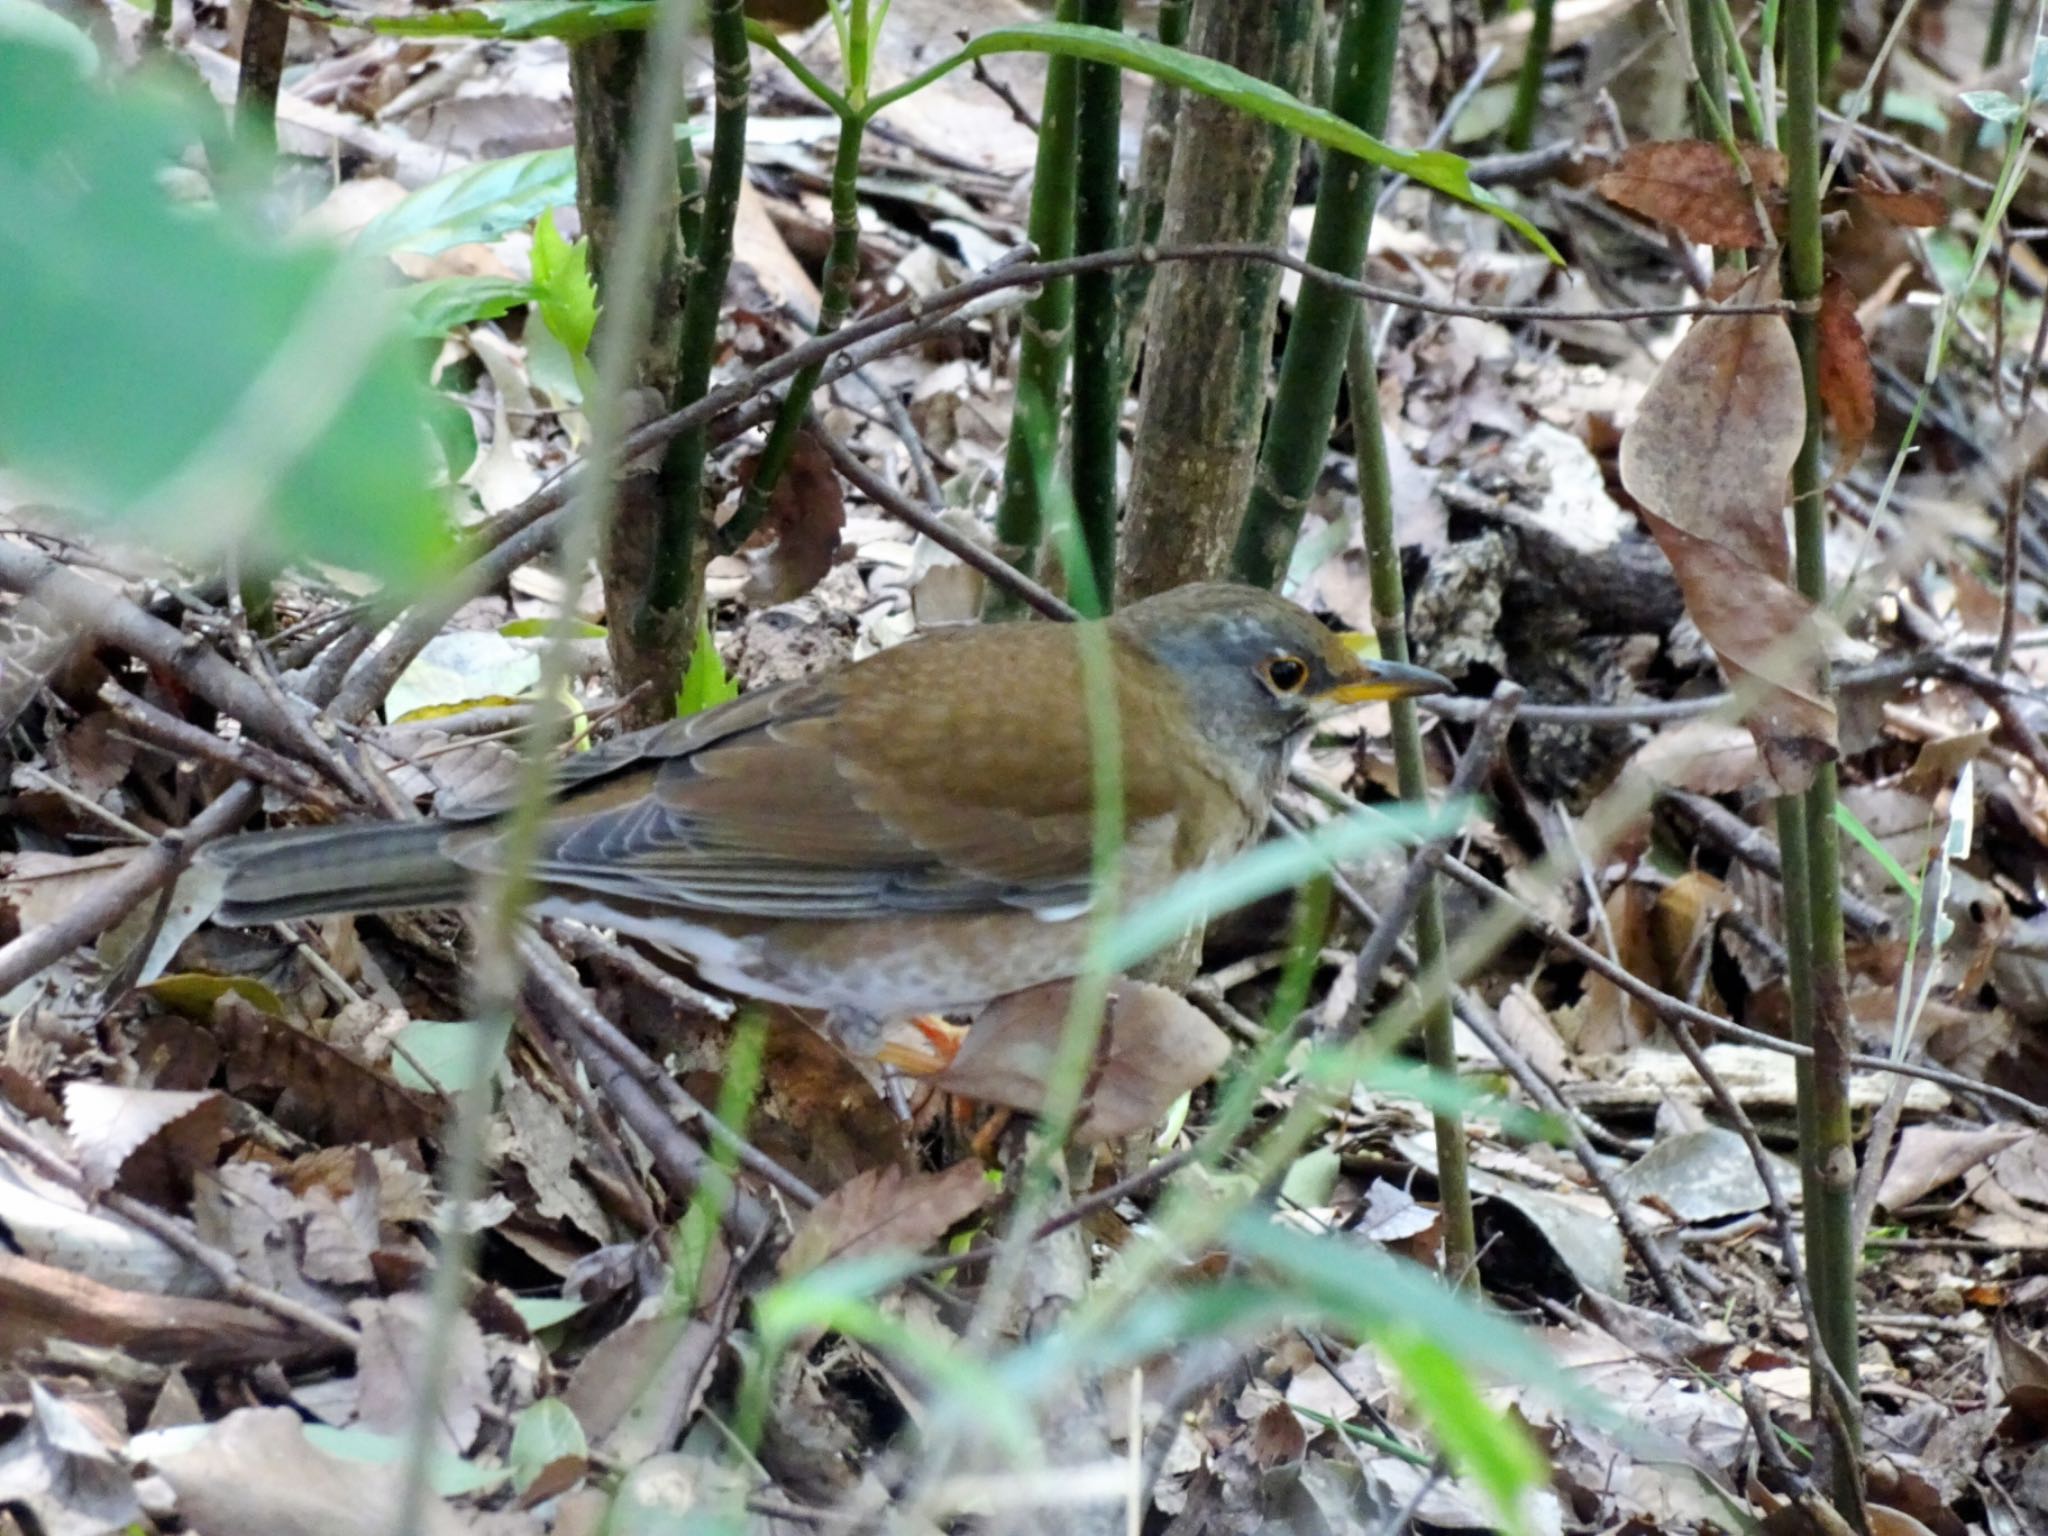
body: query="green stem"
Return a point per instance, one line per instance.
(1731, 51)
(1994, 39)
(1710, 64)
(1529, 82)
(1098, 406)
(675, 577)
(1047, 337)
(1390, 621)
(842, 269)
(264, 35)
(1319, 337)
(1831, 1154)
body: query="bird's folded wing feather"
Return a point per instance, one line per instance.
(905, 795)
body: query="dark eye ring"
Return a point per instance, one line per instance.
(1287, 674)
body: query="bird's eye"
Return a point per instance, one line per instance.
(1287, 674)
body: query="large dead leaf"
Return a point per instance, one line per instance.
(255, 1474)
(1694, 187)
(886, 1210)
(1155, 1047)
(798, 539)
(1709, 458)
(1848, 385)
(145, 1139)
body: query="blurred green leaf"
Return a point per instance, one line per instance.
(536, 629)
(175, 373)
(476, 203)
(32, 25)
(447, 1473)
(1483, 1444)
(437, 1055)
(1270, 867)
(571, 19)
(705, 684)
(439, 305)
(539, 1312)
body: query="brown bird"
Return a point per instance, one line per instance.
(909, 834)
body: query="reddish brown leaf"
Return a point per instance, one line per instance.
(1709, 459)
(1695, 188)
(886, 1210)
(799, 534)
(1848, 387)
(1156, 1046)
(1915, 207)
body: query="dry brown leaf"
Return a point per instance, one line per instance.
(256, 1474)
(886, 1210)
(394, 1343)
(350, 1100)
(798, 539)
(1848, 386)
(1928, 1157)
(1692, 186)
(1709, 459)
(147, 1140)
(1155, 1047)
(1915, 207)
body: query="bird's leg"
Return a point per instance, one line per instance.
(942, 1038)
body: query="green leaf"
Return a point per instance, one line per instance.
(1992, 106)
(177, 374)
(539, 1312)
(32, 25)
(537, 629)
(1439, 169)
(571, 19)
(441, 304)
(1852, 824)
(705, 685)
(447, 1473)
(1920, 111)
(476, 203)
(439, 1055)
(547, 1432)
(1482, 1444)
(567, 302)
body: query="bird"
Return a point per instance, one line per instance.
(910, 834)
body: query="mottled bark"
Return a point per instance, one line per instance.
(605, 75)
(1209, 331)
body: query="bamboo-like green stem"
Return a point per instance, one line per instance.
(1710, 65)
(1319, 337)
(1529, 82)
(675, 578)
(1994, 39)
(1098, 401)
(1830, 1156)
(1390, 622)
(1047, 330)
(835, 299)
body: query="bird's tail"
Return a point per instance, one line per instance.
(326, 871)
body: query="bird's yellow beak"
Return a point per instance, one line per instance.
(1382, 679)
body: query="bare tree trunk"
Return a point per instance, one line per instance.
(1209, 333)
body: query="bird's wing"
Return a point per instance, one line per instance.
(886, 790)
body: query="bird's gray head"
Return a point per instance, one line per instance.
(1258, 669)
